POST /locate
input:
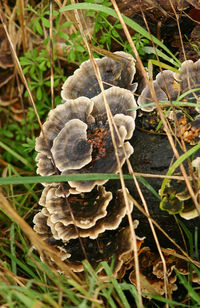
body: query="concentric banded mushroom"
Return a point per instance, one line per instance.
(86, 208)
(114, 72)
(91, 217)
(79, 136)
(169, 86)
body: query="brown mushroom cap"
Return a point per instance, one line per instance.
(119, 72)
(116, 210)
(86, 208)
(151, 271)
(117, 244)
(71, 149)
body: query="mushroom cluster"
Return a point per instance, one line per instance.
(75, 139)
(176, 198)
(182, 86)
(152, 272)
(170, 86)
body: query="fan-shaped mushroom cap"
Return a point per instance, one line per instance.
(119, 101)
(145, 97)
(86, 208)
(44, 165)
(107, 164)
(119, 72)
(59, 190)
(57, 119)
(71, 149)
(151, 270)
(116, 210)
(117, 244)
(189, 79)
(41, 227)
(166, 88)
(169, 85)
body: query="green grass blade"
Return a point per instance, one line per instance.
(191, 292)
(128, 21)
(19, 263)
(149, 187)
(28, 302)
(16, 155)
(116, 285)
(61, 178)
(152, 50)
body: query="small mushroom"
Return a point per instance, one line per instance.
(118, 71)
(145, 100)
(152, 273)
(41, 227)
(44, 165)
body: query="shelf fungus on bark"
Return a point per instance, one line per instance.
(176, 198)
(116, 244)
(79, 138)
(117, 71)
(152, 273)
(170, 86)
(97, 216)
(87, 208)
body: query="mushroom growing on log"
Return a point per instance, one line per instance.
(79, 137)
(118, 71)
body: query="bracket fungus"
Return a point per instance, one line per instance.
(93, 217)
(176, 198)
(79, 138)
(111, 243)
(117, 71)
(87, 208)
(170, 86)
(152, 272)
